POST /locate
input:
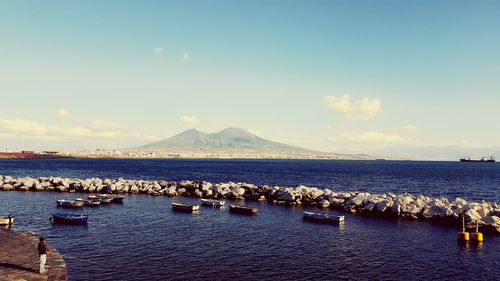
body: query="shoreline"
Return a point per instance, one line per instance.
(407, 206)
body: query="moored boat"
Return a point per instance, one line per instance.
(7, 220)
(213, 202)
(243, 210)
(323, 217)
(69, 218)
(90, 202)
(117, 198)
(102, 198)
(184, 207)
(69, 203)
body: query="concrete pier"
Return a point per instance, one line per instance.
(19, 258)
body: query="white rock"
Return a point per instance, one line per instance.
(324, 203)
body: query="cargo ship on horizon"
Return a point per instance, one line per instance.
(482, 160)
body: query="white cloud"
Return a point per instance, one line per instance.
(22, 126)
(158, 51)
(373, 137)
(185, 56)
(99, 129)
(62, 113)
(409, 128)
(362, 109)
(101, 125)
(189, 119)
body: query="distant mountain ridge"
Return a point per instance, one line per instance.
(231, 139)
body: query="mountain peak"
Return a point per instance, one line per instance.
(231, 139)
(235, 132)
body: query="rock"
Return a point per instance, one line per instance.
(37, 187)
(181, 191)
(396, 209)
(23, 188)
(368, 207)
(383, 205)
(7, 187)
(28, 182)
(286, 195)
(337, 202)
(358, 199)
(491, 220)
(324, 203)
(459, 202)
(134, 189)
(314, 193)
(411, 209)
(344, 195)
(472, 215)
(238, 192)
(434, 211)
(171, 191)
(198, 193)
(483, 210)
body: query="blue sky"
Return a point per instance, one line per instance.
(326, 75)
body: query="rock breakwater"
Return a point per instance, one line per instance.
(390, 205)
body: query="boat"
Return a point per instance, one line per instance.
(117, 198)
(324, 217)
(7, 220)
(242, 210)
(90, 202)
(103, 198)
(482, 160)
(69, 218)
(69, 203)
(212, 202)
(185, 207)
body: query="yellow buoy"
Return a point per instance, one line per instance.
(464, 235)
(477, 236)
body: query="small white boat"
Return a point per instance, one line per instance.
(7, 220)
(69, 203)
(324, 217)
(212, 202)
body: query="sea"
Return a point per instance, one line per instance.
(143, 239)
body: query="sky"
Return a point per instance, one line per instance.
(336, 76)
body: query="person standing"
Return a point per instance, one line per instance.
(43, 251)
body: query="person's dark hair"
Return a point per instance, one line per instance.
(42, 239)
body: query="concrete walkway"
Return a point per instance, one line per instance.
(19, 258)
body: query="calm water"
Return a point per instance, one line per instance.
(144, 240)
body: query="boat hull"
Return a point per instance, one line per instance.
(182, 207)
(242, 210)
(69, 219)
(70, 203)
(213, 203)
(323, 217)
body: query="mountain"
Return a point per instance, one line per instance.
(451, 153)
(228, 140)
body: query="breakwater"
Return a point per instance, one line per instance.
(390, 205)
